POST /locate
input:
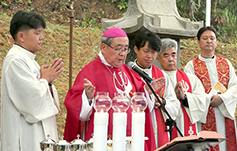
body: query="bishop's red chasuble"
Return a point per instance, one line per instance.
(105, 79)
(223, 71)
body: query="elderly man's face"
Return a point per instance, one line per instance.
(113, 57)
(168, 59)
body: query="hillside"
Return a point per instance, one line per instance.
(56, 44)
(86, 44)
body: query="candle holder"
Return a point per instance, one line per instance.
(102, 104)
(120, 104)
(138, 104)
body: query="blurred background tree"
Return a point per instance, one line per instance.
(223, 12)
(88, 13)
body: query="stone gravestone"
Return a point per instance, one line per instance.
(158, 16)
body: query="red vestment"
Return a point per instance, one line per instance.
(223, 71)
(104, 81)
(183, 78)
(163, 136)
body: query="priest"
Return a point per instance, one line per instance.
(147, 45)
(219, 80)
(188, 89)
(106, 73)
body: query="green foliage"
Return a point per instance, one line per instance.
(30, 9)
(227, 25)
(4, 3)
(29, 1)
(223, 15)
(225, 20)
(122, 4)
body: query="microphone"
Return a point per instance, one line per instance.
(142, 74)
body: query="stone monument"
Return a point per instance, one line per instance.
(158, 16)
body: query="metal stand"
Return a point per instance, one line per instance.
(169, 122)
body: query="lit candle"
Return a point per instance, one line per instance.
(119, 131)
(100, 131)
(138, 131)
(138, 104)
(120, 104)
(102, 104)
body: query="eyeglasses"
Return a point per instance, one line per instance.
(119, 49)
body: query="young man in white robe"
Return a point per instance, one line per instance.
(29, 101)
(188, 89)
(147, 45)
(214, 70)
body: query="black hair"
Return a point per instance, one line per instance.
(23, 20)
(203, 29)
(143, 36)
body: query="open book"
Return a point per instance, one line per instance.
(201, 142)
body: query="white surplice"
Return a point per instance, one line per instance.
(27, 107)
(198, 101)
(172, 103)
(228, 107)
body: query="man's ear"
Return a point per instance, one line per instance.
(20, 36)
(135, 49)
(158, 59)
(102, 47)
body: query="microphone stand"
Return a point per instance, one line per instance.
(169, 122)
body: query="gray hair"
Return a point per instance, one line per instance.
(167, 43)
(107, 40)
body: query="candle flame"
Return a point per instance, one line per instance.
(119, 110)
(102, 111)
(138, 109)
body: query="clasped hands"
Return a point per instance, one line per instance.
(51, 72)
(216, 100)
(179, 91)
(156, 85)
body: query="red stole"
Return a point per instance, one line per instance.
(163, 136)
(223, 71)
(189, 128)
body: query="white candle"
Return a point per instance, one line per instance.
(138, 131)
(100, 131)
(119, 131)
